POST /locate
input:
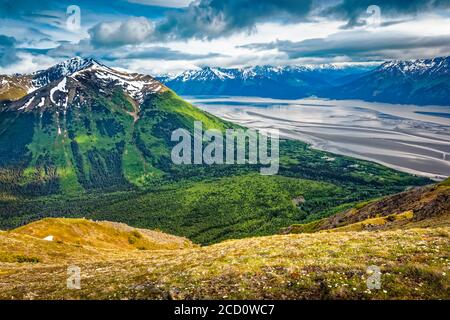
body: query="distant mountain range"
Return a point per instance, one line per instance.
(264, 81)
(420, 82)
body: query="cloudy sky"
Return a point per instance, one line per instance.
(158, 36)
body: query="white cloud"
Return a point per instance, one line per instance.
(117, 33)
(135, 36)
(28, 63)
(233, 55)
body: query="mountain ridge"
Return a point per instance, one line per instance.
(421, 82)
(62, 79)
(27, 83)
(264, 81)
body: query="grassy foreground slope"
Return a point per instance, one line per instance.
(414, 264)
(75, 240)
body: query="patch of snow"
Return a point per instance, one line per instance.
(31, 89)
(222, 75)
(60, 87)
(41, 104)
(27, 104)
(133, 84)
(187, 75)
(48, 238)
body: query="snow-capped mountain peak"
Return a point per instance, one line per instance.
(205, 74)
(418, 67)
(246, 73)
(75, 81)
(70, 66)
(419, 82)
(137, 86)
(43, 77)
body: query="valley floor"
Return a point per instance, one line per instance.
(414, 263)
(403, 137)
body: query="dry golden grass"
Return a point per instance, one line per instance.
(103, 234)
(14, 93)
(81, 240)
(406, 216)
(414, 263)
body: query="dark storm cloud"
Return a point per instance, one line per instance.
(6, 41)
(208, 19)
(355, 11)
(136, 24)
(8, 53)
(119, 33)
(204, 19)
(358, 45)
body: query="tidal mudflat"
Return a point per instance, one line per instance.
(410, 138)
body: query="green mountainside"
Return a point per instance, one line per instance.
(96, 143)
